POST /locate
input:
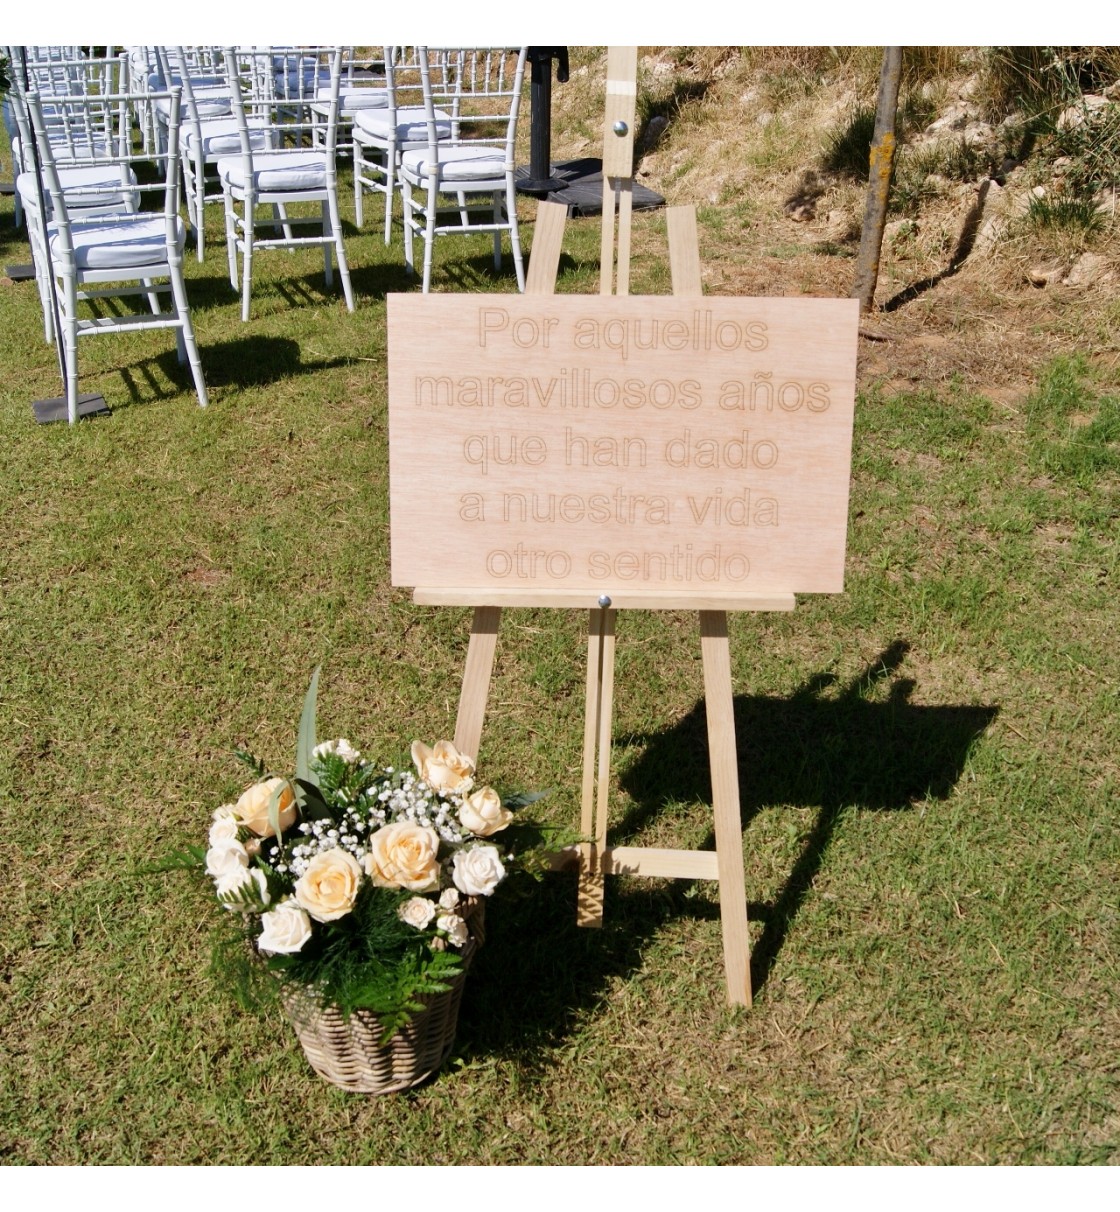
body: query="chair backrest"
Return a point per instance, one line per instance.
(99, 130)
(295, 79)
(168, 185)
(480, 86)
(173, 63)
(246, 73)
(67, 75)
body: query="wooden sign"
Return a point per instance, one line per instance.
(676, 445)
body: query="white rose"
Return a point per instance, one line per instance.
(252, 807)
(477, 871)
(443, 767)
(449, 898)
(483, 814)
(417, 911)
(284, 929)
(340, 748)
(224, 828)
(404, 855)
(226, 857)
(454, 927)
(238, 878)
(329, 886)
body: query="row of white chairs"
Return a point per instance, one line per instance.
(266, 126)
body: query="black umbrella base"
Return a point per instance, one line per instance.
(578, 184)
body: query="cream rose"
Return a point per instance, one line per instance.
(454, 927)
(252, 808)
(417, 911)
(284, 929)
(449, 898)
(443, 767)
(329, 886)
(477, 871)
(403, 855)
(483, 814)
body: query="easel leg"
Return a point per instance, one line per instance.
(476, 679)
(725, 804)
(606, 242)
(596, 765)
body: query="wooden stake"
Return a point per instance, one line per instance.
(879, 180)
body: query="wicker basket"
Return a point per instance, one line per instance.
(349, 1053)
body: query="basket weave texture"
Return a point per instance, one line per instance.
(349, 1053)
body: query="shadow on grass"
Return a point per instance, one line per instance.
(824, 747)
(249, 361)
(256, 361)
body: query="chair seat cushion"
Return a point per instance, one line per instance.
(127, 243)
(220, 137)
(208, 103)
(412, 126)
(96, 185)
(157, 84)
(352, 99)
(463, 162)
(82, 149)
(277, 172)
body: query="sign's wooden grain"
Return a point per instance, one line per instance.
(662, 445)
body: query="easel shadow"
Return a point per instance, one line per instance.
(826, 747)
(822, 747)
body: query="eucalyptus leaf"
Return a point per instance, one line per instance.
(305, 745)
(274, 808)
(523, 798)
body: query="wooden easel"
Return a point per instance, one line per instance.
(595, 858)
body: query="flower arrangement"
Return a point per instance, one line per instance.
(356, 882)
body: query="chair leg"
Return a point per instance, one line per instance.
(200, 207)
(515, 236)
(358, 160)
(390, 186)
(282, 212)
(497, 217)
(340, 251)
(70, 348)
(231, 236)
(153, 295)
(328, 240)
(185, 336)
(247, 261)
(406, 198)
(430, 233)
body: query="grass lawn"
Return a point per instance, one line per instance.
(929, 769)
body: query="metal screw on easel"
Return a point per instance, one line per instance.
(605, 601)
(621, 129)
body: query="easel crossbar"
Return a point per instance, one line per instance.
(642, 860)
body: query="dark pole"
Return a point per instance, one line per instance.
(538, 179)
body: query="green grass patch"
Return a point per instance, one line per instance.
(928, 782)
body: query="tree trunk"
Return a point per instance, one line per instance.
(879, 181)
